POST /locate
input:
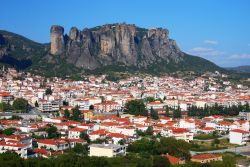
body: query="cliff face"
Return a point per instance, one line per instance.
(114, 44)
(126, 48)
(57, 40)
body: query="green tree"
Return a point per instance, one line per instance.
(149, 99)
(154, 114)
(20, 104)
(85, 136)
(8, 131)
(9, 159)
(177, 113)
(80, 149)
(91, 107)
(76, 114)
(36, 104)
(66, 114)
(149, 131)
(52, 132)
(1, 107)
(122, 142)
(167, 109)
(48, 91)
(136, 107)
(160, 161)
(16, 117)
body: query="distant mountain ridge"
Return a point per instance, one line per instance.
(245, 68)
(111, 47)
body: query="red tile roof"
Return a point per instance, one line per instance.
(173, 160)
(225, 123)
(98, 132)
(205, 156)
(77, 129)
(239, 131)
(179, 130)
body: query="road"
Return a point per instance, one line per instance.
(241, 150)
(222, 137)
(32, 113)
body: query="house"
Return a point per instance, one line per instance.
(73, 142)
(87, 114)
(6, 97)
(116, 137)
(206, 158)
(16, 143)
(20, 149)
(155, 105)
(206, 130)
(188, 124)
(182, 134)
(138, 119)
(178, 133)
(107, 106)
(238, 136)
(107, 150)
(54, 144)
(75, 133)
(242, 124)
(165, 120)
(48, 106)
(19, 139)
(98, 134)
(89, 127)
(223, 126)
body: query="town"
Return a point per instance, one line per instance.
(46, 117)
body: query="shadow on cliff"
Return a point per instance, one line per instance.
(18, 64)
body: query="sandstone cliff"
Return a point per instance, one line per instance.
(111, 44)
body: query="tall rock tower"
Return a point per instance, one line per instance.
(57, 40)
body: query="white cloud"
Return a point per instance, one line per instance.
(202, 51)
(240, 56)
(212, 42)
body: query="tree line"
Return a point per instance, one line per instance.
(19, 105)
(217, 110)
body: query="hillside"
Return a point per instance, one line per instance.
(240, 69)
(102, 49)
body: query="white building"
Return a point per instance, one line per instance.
(46, 106)
(74, 133)
(106, 150)
(188, 124)
(238, 136)
(20, 149)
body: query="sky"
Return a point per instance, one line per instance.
(218, 30)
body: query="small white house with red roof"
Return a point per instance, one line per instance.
(90, 127)
(224, 126)
(74, 133)
(116, 137)
(188, 124)
(98, 134)
(165, 120)
(242, 124)
(139, 119)
(54, 144)
(178, 133)
(206, 130)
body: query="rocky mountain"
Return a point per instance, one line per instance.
(114, 43)
(111, 47)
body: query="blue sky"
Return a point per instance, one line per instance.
(218, 30)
